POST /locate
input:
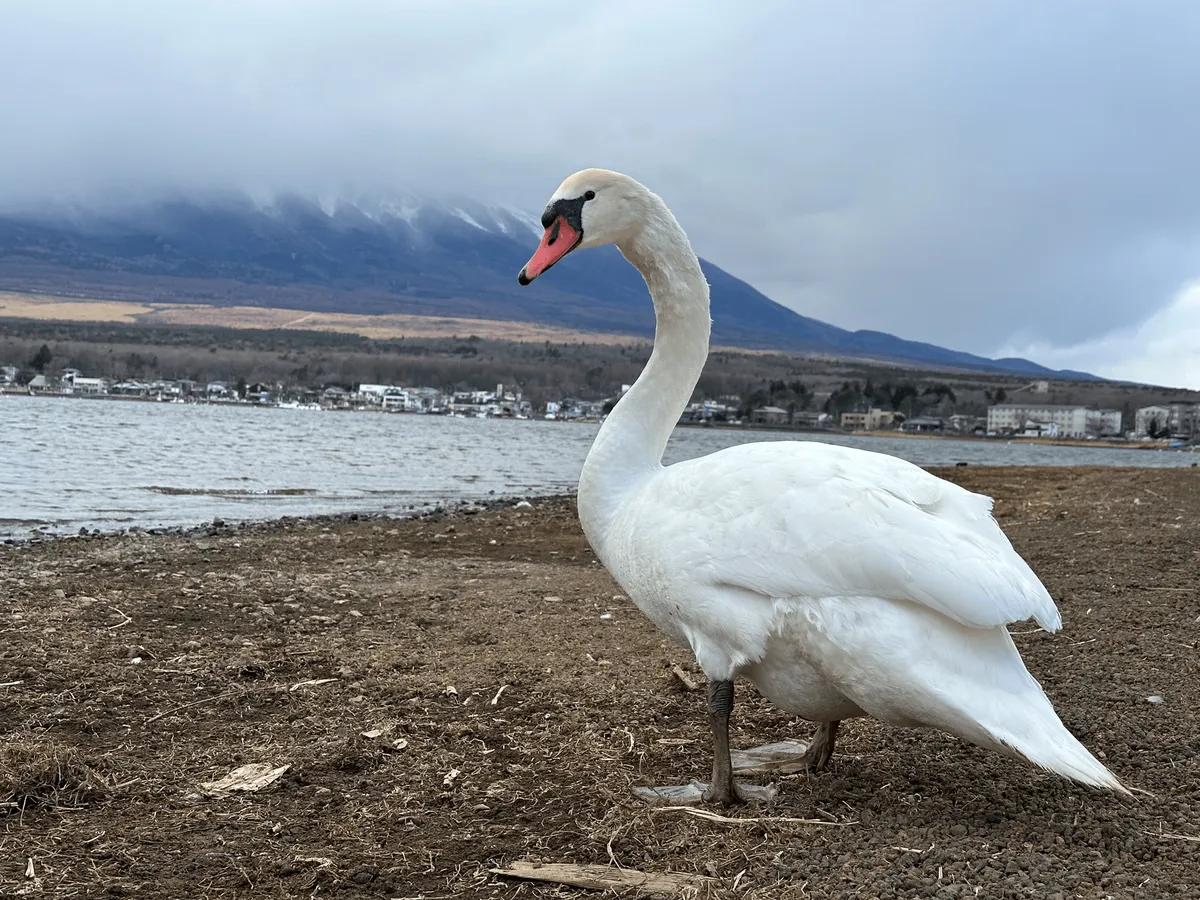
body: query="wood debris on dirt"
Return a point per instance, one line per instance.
(607, 878)
(688, 682)
(711, 816)
(249, 778)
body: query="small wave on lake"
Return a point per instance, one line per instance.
(227, 492)
(178, 465)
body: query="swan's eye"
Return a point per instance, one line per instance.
(589, 195)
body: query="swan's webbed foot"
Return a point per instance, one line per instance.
(695, 793)
(727, 793)
(721, 790)
(779, 758)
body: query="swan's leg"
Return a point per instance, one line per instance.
(820, 751)
(721, 789)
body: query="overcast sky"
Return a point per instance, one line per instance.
(999, 177)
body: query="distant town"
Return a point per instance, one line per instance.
(1176, 422)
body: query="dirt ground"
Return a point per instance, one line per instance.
(455, 693)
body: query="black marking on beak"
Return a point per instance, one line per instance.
(571, 210)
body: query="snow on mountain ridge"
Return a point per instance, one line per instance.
(415, 210)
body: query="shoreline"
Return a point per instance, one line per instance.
(1104, 443)
(273, 524)
(461, 508)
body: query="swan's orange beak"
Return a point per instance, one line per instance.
(559, 240)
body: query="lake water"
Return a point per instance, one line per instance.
(71, 463)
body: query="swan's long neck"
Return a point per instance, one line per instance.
(631, 442)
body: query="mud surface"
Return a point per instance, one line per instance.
(449, 695)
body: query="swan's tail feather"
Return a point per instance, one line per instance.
(1078, 765)
(908, 665)
(1012, 714)
(1045, 742)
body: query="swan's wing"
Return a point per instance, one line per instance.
(798, 519)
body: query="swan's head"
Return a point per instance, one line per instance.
(591, 208)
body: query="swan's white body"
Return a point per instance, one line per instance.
(843, 583)
(840, 582)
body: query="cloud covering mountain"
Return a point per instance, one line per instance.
(399, 253)
(987, 175)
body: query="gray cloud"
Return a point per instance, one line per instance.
(981, 175)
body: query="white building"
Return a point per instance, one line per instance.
(374, 393)
(72, 382)
(871, 420)
(423, 399)
(1179, 418)
(965, 424)
(1105, 422)
(490, 403)
(1052, 420)
(166, 390)
(1154, 420)
(1185, 419)
(703, 410)
(394, 399)
(408, 399)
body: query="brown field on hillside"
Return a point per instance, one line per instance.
(436, 698)
(63, 309)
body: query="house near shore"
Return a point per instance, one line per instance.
(769, 415)
(395, 398)
(424, 400)
(923, 425)
(130, 388)
(72, 381)
(166, 390)
(386, 396)
(806, 418)
(963, 424)
(707, 411)
(871, 420)
(500, 403)
(572, 408)
(8, 374)
(219, 391)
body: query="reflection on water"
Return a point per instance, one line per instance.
(70, 463)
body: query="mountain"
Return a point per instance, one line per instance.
(399, 254)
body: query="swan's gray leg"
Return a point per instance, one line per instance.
(820, 751)
(721, 789)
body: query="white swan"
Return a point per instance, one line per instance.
(840, 582)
